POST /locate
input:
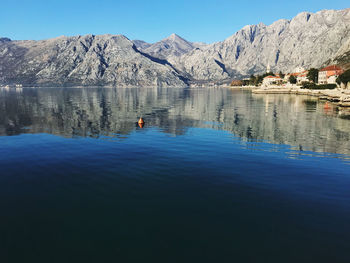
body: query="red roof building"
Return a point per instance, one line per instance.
(329, 74)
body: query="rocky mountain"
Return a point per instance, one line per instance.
(172, 46)
(342, 57)
(83, 60)
(307, 40)
(140, 44)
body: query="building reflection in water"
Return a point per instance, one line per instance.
(299, 121)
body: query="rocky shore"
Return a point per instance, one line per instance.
(339, 96)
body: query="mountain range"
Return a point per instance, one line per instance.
(307, 40)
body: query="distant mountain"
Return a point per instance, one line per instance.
(140, 44)
(308, 40)
(83, 60)
(172, 46)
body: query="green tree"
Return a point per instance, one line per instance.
(281, 75)
(260, 79)
(245, 82)
(292, 80)
(344, 78)
(313, 75)
(252, 80)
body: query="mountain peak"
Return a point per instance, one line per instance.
(175, 37)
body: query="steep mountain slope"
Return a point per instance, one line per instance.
(140, 44)
(342, 57)
(307, 40)
(172, 46)
(82, 60)
(342, 60)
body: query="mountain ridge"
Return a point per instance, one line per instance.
(307, 40)
(173, 45)
(83, 60)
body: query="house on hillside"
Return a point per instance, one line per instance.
(299, 70)
(272, 80)
(302, 77)
(329, 75)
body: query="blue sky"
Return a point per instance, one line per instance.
(152, 20)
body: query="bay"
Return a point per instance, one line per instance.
(214, 175)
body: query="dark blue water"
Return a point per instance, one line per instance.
(215, 175)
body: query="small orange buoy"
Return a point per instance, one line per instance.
(141, 125)
(141, 121)
(326, 106)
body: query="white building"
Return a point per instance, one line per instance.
(299, 70)
(332, 79)
(302, 77)
(329, 75)
(272, 80)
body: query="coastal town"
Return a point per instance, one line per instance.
(330, 83)
(300, 76)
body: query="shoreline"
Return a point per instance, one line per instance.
(341, 97)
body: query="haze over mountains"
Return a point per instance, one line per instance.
(308, 40)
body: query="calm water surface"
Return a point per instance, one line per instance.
(215, 175)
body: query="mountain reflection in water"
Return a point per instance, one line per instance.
(299, 121)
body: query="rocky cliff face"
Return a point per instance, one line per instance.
(308, 40)
(342, 57)
(172, 46)
(171, 49)
(83, 60)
